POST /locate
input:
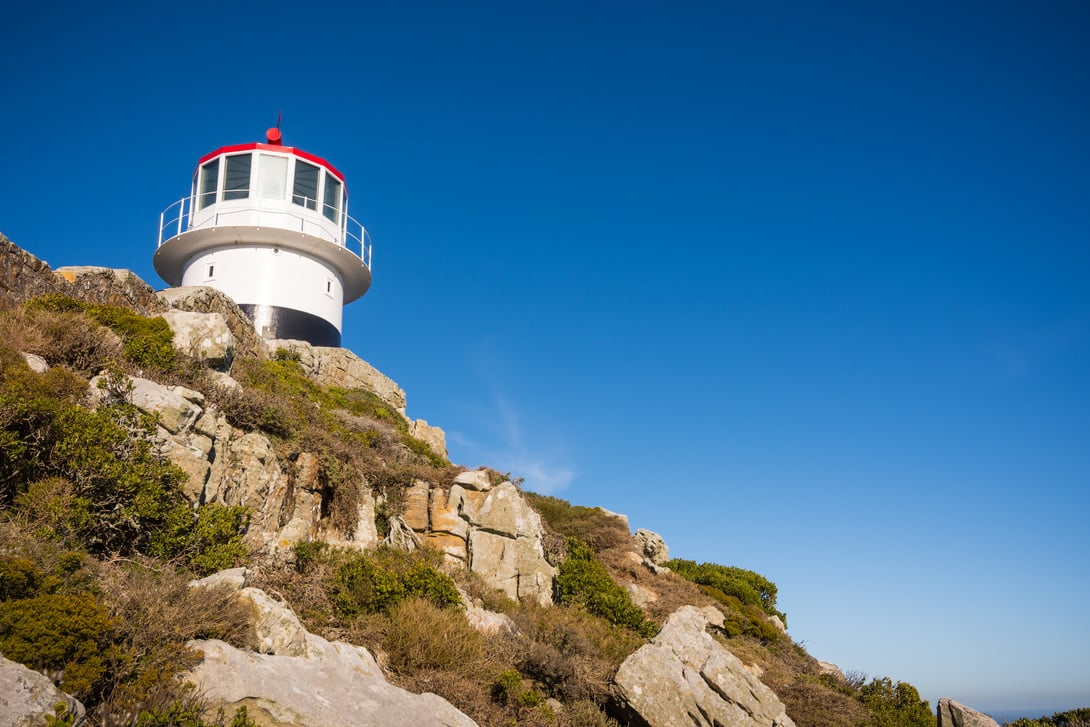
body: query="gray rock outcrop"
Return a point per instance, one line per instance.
(954, 714)
(202, 335)
(107, 286)
(652, 546)
(685, 677)
(36, 363)
(23, 276)
(202, 299)
(491, 529)
(434, 437)
(27, 697)
(303, 679)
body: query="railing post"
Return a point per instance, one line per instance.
(160, 228)
(181, 213)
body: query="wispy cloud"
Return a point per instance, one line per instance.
(500, 438)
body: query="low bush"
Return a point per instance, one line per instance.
(376, 582)
(67, 634)
(94, 476)
(751, 588)
(582, 580)
(591, 525)
(895, 704)
(1072, 718)
(422, 636)
(569, 651)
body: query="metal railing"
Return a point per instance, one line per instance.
(178, 218)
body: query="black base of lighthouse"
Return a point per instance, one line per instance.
(276, 322)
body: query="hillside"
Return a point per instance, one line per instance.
(149, 439)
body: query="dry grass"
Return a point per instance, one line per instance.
(570, 652)
(794, 676)
(69, 339)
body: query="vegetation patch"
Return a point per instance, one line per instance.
(745, 586)
(590, 525)
(1071, 718)
(146, 341)
(582, 580)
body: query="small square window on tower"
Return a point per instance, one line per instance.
(329, 287)
(211, 272)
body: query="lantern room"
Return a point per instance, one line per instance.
(268, 225)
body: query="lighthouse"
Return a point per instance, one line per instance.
(268, 225)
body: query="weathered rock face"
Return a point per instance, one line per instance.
(23, 276)
(231, 467)
(340, 367)
(27, 697)
(953, 714)
(305, 680)
(490, 529)
(202, 299)
(108, 287)
(652, 546)
(434, 437)
(203, 335)
(684, 677)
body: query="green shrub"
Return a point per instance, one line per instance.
(18, 578)
(188, 712)
(68, 633)
(1072, 718)
(376, 582)
(214, 542)
(582, 580)
(93, 475)
(307, 553)
(895, 705)
(750, 588)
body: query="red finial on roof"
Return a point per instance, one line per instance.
(273, 136)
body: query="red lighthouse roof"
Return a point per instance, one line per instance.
(274, 148)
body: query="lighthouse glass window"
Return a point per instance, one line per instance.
(236, 180)
(210, 173)
(304, 189)
(332, 197)
(272, 175)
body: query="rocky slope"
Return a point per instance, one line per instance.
(478, 522)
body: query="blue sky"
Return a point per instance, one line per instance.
(801, 286)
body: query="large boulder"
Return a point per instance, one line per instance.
(954, 714)
(304, 680)
(335, 685)
(202, 299)
(652, 546)
(28, 698)
(203, 335)
(685, 677)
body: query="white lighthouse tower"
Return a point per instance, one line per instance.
(268, 225)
